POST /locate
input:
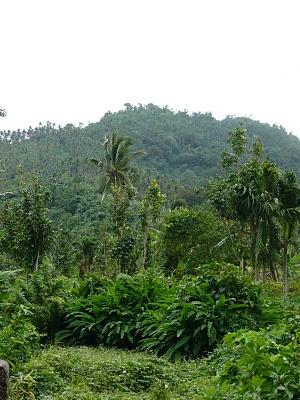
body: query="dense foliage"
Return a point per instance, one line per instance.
(178, 147)
(175, 318)
(263, 364)
(99, 252)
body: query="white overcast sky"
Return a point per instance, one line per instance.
(73, 60)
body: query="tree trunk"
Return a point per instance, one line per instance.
(242, 265)
(274, 272)
(145, 253)
(285, 270)
(257, 273)
(37, 260)
(253, 230)
(4, 380)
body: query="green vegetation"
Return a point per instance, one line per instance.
(85, 373)
(131, 279)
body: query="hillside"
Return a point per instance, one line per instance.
(184, 146)
(181, 150)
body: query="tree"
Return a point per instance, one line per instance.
(256, 203)
(116, 165)
(2, 112)
(150, 210)
(26, 229)
(87, 252)
(289, 217)
(117, 173)
(250, 195)
(190, 236)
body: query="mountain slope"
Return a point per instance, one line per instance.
(186, 147)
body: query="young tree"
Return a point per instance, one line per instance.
(190, 236)
(255, 200)
(123, 238)
(150, 210)
(25, 226)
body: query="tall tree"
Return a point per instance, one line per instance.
(289, 218)
(117, 174)
(255, 200)
(150, 210)
(116, 165)
(250, 195)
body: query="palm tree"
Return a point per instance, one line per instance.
(255, 201)
(117, 173)
(116, 164)
(289, 218)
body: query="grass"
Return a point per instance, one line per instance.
(82, 373)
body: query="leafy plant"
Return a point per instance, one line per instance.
(19, 339)
(26, 227)
(202, 310)
(190, 236)
(110, 316)
(43, 299)
(260, 365)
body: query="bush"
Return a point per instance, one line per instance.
(110, 317)
(160, 391)
(43, 297)
(18, 341)
(189, 235)
(260, 365)
(82, 373)
(148, 311)
(202, 311)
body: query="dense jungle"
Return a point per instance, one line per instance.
(153, 254)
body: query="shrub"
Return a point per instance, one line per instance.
(260, 365)
(110, 317)
(44, 297)
(202, 311)
(18, 341)
(188, 235)
(186, 317)
(160, 391)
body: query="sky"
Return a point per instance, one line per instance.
(73, 60)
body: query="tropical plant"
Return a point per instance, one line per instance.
(150, 210)
(259, 365)
(250, 195)
(26, 228)
(109, 317)
(116, 164)
(190, 237)
(19, 340)
(200, 312)
(289, 217)
(255, 198)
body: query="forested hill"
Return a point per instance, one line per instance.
(177, 144)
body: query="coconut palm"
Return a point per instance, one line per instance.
(117, 163)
